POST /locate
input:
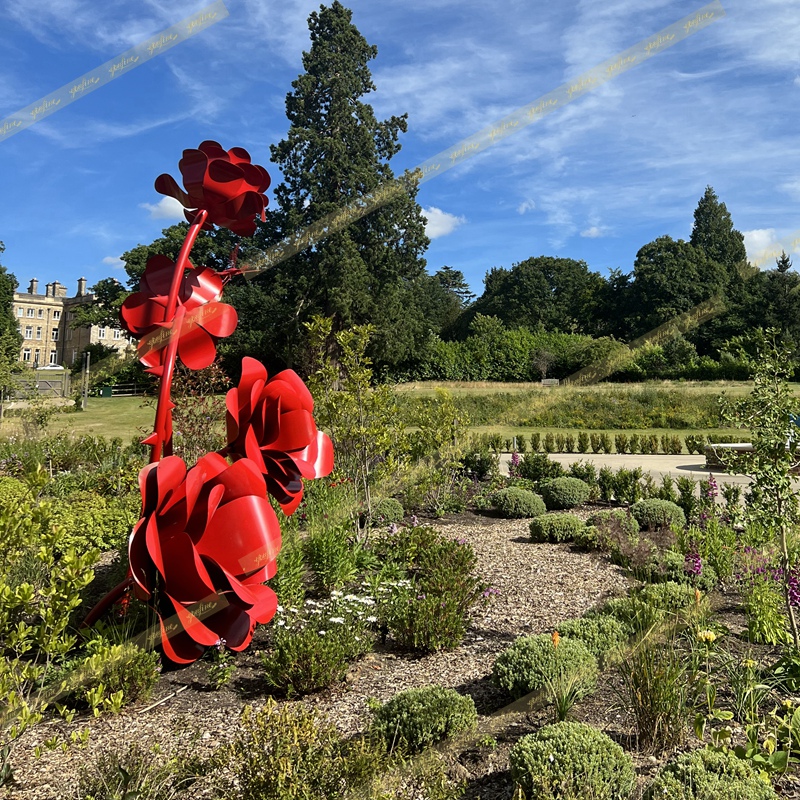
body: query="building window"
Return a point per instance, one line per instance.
(36, 358)
(117, 333)
(74, 355)
(41, 313)
(55, 334)
(28, 332)
(38, 332)
(56, 315)
(69, 334)
(53, 357)
(101, 333)
(26, 354)
(30, 312)
(20, 312)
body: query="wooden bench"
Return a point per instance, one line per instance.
(550, 381)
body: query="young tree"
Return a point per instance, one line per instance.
(335, 152)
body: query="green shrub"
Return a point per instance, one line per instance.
(634, 444)
(767, 622)
(288, 583)
(91, 520)
(653, 514)
(431, 609)
(599, 633)
(621, 443)
(331, 556)
(708, 774)
(605, 442)
(290, 752)
(549, 443)
(586, 471)
(650, 604)
(670, 565)
(533, 661)
(594, 440)
(386, 511)
(569, 443)
(583, 442)
(627, 485)
(563, 493)
(555, 527)
(312, 651)
(614, 524)
(561, 442)
(571, 761)
(605, 484)
(516, 503)
(537, 467)
(536, 442)
(417, 718)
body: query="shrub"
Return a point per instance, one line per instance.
(533, 661)
(583, 442)
(651, 604)
(586, 471)
(569, 443)
(313, 651)
(561, 442)
(605, 442)
(288, 583)
(687, 499)
(767, 622)
(594, 440)
(549, 443)
(555, 527)
(571, 761)
(290, 752)
(536, 442)
(615, 523)
(330, 555)
(387, 510)
(417, 718)
(653, 514)
(605, 483)
(709, 774)
(480, 463)
(91, 520)
(634, 444)
(537, 467)
(562, 493)
(670, 565)
(627, 485)
(599, 633)
(430, 611)
(621, 443)
(516, 503)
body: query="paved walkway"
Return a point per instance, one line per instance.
(691, 466)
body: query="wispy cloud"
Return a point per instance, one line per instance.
(440, 223)
(595, 232)
(166, 208)
(526, 205)
(115, 262)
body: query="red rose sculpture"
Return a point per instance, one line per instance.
(271, 423)
(143, 314)
(207, 540)
(223, 183)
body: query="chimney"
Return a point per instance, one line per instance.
(59, 290)
(81, 287)
(48, 292)
(34, 287)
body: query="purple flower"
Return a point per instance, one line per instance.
(392, 528)
(491, 592)
(692, 564)
(712, 490)
(414, 521)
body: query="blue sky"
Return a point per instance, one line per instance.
(595, 180)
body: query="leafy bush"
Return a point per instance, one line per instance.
(651, 604)
(583, 442)
(599, 633)
(555, 527)
(516, 503)
(329, 553)
(537, 467)
(312, 648)
(563, 493)
(549, 443)
(764, 609)
(586, 471)
(387, 510)
(417, 718)
(290, 752)
(605, 483)
(653, 514)
(621, 443)
(613, 523)
(627, 485)
(288, 583)
(533, 661)
(536, 442)
(605, 442)
(569, 443)
(91, 520)
(709, 774)
(124, 670)
(672, 566)
(430, 610)
(571, 761)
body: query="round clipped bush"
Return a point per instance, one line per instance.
(563, 493)
(555, 527)
(417, 718)
(572, 761)
(516, 503)
(599, 633)
(533, 661)
(654, 513)
(387, 510)
(709, 775)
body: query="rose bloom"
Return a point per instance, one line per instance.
(271, 422)
(225, 184)
(207, 540)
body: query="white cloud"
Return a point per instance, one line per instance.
(115, 262)
(528, 205)
(594, 232)
(440, 223)
(165, 208)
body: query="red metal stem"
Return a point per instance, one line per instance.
(163, 422)
(109, 600)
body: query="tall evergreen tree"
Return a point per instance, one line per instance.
(10, 337)
(336, 151)
(714, 234)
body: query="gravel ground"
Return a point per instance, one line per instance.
(539, 585)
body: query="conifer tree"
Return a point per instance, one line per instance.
(336, 151)
(714, 234)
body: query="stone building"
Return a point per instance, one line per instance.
(45, 324)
